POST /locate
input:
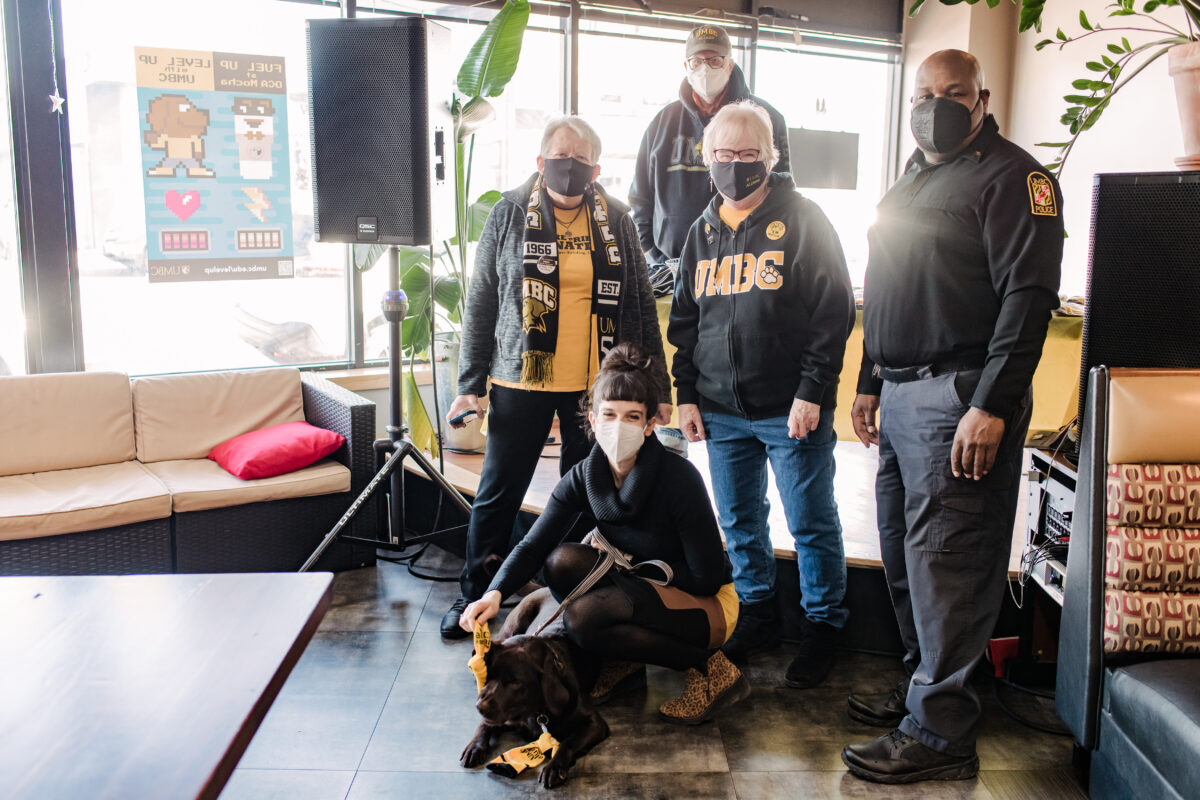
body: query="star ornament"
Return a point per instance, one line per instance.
(56, 103)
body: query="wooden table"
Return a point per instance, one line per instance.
(143, 686)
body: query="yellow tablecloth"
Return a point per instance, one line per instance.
(1055, 384)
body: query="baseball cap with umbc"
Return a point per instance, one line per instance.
(707, 37)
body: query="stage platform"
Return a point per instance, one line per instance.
(854, 488)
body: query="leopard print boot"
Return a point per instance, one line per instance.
(617, 677)
(706, 694)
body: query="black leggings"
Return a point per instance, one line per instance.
(623, 617)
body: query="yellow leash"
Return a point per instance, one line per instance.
(513, 762)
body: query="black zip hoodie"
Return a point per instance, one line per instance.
(761, 314)
(670, 182)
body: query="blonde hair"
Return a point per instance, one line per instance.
(735, 119)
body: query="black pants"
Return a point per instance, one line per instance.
(945, 543)
(518, 423)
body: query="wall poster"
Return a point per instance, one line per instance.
(214, 146)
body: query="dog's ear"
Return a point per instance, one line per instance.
(554, 688)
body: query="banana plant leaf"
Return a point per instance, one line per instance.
(477, 214)
(492, 60)
(420, 426)
(368, 255)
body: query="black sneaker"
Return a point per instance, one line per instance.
(896, 757)
(450, 627)
(757, 630)
(878, 710)
(816, 656)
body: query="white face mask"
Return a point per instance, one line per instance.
(707, 81)
(619, 440)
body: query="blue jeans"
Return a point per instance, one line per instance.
(738, 450)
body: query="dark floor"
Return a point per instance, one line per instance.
(379, 706)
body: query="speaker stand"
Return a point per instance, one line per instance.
(398, 445)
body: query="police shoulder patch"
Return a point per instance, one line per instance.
(1041, 195)
(776, 230)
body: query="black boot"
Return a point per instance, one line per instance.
(757, 630)
(880, 711)
(817, 653)
(450, 627)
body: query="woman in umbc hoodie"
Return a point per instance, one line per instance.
(762, 310)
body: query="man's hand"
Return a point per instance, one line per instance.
(464, 402)
(975, 444)
(664, 413)
(480, 611)
(690, 423)
(862, 416)
(803, 419)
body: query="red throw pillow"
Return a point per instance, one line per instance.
(275, 450)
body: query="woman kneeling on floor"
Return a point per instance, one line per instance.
(652, 506)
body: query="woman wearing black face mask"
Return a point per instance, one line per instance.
(762, 309)
(559, 280)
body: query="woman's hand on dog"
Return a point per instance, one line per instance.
(480, 611)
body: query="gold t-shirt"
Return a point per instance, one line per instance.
(575, 362)
(733, 217)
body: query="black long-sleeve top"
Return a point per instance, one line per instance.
(661, 511)
(965, 263)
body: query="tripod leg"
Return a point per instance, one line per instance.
(392, 463)
(439, 479)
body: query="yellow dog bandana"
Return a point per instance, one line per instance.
(512, 763)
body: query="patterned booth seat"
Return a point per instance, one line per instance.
(1129, 651)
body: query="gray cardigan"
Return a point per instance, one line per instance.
(491, 335)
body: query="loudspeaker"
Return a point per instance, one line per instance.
(381, 129)
(1143, 292)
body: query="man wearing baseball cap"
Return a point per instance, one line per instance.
(670, 186)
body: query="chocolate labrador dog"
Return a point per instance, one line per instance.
(534, 679)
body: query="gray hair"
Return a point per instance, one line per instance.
(735, 119)
(581, 128)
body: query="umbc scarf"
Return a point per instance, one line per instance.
(539, 285)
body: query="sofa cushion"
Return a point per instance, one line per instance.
(63, 421)
(1151, 622)
(272, 451)
(1152, 559)
(197, 484)
(1157, 704)
(185, 416)
(1154, 495)
(81, 499)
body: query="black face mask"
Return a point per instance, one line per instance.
(566, 176)
(941, 125)
(737, 180)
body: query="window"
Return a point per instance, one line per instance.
(12, 317)
(847, 93)
(139, 316)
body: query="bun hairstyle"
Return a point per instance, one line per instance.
(626, 374)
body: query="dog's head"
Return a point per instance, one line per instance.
(176, 117)
(526, 677)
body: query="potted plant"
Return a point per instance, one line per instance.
(1121, 61)
(484, 73)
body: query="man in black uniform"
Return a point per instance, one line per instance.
(962, 278)
(670, 187)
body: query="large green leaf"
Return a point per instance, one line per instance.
(477, 214)
(368, 255)
(492, 60)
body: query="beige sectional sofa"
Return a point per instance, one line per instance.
(101, 474)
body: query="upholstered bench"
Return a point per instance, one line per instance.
(1129, 651)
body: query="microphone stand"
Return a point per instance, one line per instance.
(398, 444)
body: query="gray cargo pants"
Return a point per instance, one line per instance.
(945, 544)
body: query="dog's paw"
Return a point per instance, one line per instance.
(474, 754)
(554, 774)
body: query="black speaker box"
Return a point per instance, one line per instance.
(1143, 293)
(381, 129)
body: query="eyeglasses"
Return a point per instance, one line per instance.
(726, 156)
(716, 62)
